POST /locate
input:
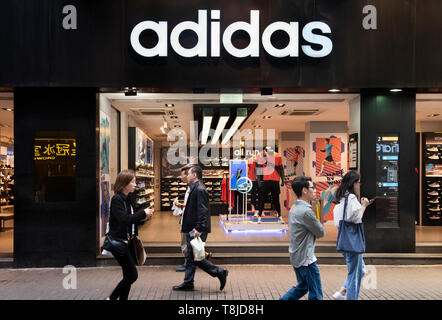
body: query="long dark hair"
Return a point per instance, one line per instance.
(346, 185)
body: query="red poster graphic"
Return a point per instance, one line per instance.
(328, 157)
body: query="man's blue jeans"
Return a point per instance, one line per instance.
(356, 269)
(309, 280)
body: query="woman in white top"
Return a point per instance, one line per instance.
(350, 187)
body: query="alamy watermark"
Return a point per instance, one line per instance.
(70, 281)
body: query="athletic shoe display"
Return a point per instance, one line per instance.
(433, 193)
(437, 208)
(433, 149)
(434, 201)
(434, 157)
(434, 185)
(434, 217)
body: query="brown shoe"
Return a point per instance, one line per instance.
(209, 256)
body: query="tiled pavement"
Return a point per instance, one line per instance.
(245, 282)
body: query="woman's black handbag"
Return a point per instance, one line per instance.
(116, 246)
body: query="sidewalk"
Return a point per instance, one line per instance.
(245, 282)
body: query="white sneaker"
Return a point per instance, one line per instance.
(338, 296)
(434, 157)
(434, 149)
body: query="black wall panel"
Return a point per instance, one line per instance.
(402, 52)
(55, 233)
(380, 114)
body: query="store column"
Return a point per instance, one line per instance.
(56, 184)
(388, 169)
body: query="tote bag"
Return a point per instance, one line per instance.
(351, 237)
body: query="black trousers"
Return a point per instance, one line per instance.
(272, 187)
(191, 264)
(254, 195)
(130, 275)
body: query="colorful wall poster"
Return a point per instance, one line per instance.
(294, 166)
(104, 143)
(328, 157)
(105, 135)
(104, 208)
(329, 167)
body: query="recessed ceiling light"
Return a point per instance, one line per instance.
(267, 117)
(280, 105)
(170, 105)
(334, 90)
(7, 109)
(433, 115)
(395, 90)
(258, 126)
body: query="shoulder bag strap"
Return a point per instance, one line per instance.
(345, 207)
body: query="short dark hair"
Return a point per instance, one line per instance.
(299, 183)
(198, 171)
(186, 168)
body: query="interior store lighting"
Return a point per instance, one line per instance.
(334, 90)
(207, 121)
(224, 115)
(395, 90)
(241, 115)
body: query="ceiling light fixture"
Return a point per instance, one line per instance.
(241, 115)
(170, 105)
(267, 117)
(207, 121)
(433, 115)
(280, 105)
(224, 115)
(132, 91)
(334, 90)
(395, 90)
(7, 109)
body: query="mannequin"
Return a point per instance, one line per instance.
(273, 172)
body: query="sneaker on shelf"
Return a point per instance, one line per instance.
(433, 193)
(165, 199)
(434, 149)
(434, 201)
(437, 208)
(434, 185)
(433, 157)
(434, 217)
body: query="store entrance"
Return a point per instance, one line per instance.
(429, 153)
(296, 127)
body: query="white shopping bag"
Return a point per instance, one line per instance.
(176, 210)
(199, 252)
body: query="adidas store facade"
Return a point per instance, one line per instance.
(83, 73)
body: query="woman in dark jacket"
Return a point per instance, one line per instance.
(123, 223)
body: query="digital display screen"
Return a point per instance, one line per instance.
(387, 181)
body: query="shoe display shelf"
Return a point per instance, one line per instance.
(171, 188)
(213, 179)
(6, 185)
(432, 179)
(145, 191)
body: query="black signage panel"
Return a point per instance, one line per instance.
(221, 44)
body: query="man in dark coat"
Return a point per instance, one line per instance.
(196, 223)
